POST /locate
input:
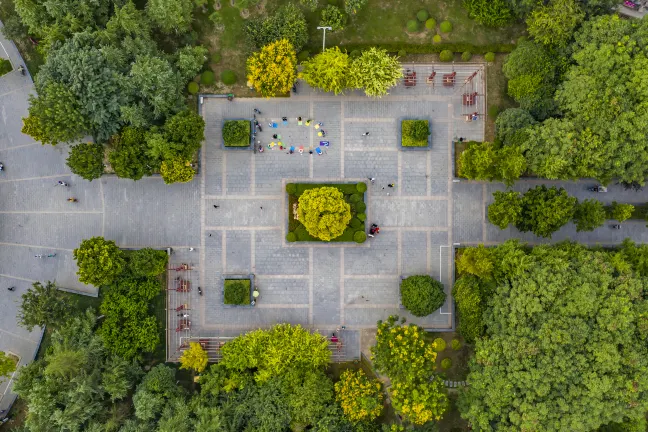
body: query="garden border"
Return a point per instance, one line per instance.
(235, 276)
(412, 148)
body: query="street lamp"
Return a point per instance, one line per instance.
(324, 38)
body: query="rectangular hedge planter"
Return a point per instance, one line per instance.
(250, 141)
(348, 189)
(428, 141)
(248, 282)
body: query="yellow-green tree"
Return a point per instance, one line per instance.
(177, 170)
(324, 212)
(327, 71)
(361, 398)
(194, 358)
(375, 72)
(273, 70)
(419, 401)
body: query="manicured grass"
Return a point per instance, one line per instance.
(237, 289)
(5, 66)
(409, 141)
(348, 190)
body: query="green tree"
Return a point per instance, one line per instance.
(422, 295)
(569, 308)
(194, 358)
(288, 22)
(327, 71)
(190, 60)
(375, 72)
(54, 116)
(332, 16)
(43, 305)
(147, 262)
(273, 70)
(360, 397)
(506, 209)
(152, 394)
(86, 160)
(477, 261)
(510, 121)
(307, 395)
(352, 7)
(545, 210)
(492, 13)
(511, 164)
(554, 23)
(185, 131)
(100, 261)
(478, 161)
(129, 158)
(171, 15)
(419, 402)
(621, 212)
(589, 215)
(471, 303)
(324, 212)
(177, 171)
(7, 365)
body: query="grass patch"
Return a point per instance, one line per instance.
(236, 292)
(348, 190)
(408, 138)
(5, 66)
(236, 133)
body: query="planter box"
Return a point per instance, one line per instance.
(250, 141)
(247, 280)
(428, 142)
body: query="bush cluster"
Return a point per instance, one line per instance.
(236, 133)
(422, 295)
(430, 49)
(446, 56)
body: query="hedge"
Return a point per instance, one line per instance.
(431, 49)
(236, 291)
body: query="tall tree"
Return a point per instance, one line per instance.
(375, 72)
(506, 209)
(589, 215)
(86, 160)
(545, 210)
(327, 71)
(273, 70)
(171, 15)
(100, 261)
(43, 305)
(194, 358)
(554, 23)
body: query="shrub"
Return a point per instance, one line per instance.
(86, 160)
(291, 188)
(455, 344)
(468, 297)
(355, 223)
(446, 363)
(466, 56)
(216, 58)
(324, 212)
(412, 26)
(291, 237)
(422, 295)
(5, 66)
(361, 398)
(489, 57)
(207, 77)
(228, 77)
(353, 6)
(439, 345)
(355, 54)
(273, 70)
(361, 187)
(100, 261)
(177, 170)
(288, 22)
(445, 27)
(412, 48)
(621, 212)
(193, 87)
(236, 292)
(303, 56)
(355, 198)
(430, 23)
(359, 237)
(236, 133)
(402, 53)
(414, 133)
(436, 38)
(446, 56)
(310, 4)
(361, 217)
(333, 17)
(422, 15)
(360, 207)
(147, 262)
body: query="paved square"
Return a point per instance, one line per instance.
(323, 286)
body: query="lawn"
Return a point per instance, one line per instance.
(348, 189)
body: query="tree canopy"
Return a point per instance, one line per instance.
(327, 71)
(100, 261)
(273, 70)
(375, 72)
(324, 212)
(43, 305)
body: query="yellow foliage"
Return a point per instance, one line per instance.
(194, 358)
(361, 398)
(273, 70)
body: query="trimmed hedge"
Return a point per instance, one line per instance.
(436, 38)
(412, 26)
(228, 77)
(446, 56)
(439, 345)
(466, 56)
(421, 295)
(361, 187)
(360, 207)
(193, 87)
(431, 49)
(489, 57)
(422, 15)
(237, 292)
(359, 237)
(361, 217)
(236, 133)
(415, 133)
(291, 237)
(291, 188)
(207, 77)
(445, 27)
(430, 24)
(402, 53)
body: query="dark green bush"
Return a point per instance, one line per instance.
(236, 292)
(287, 22)
(228, 77)
(360, 207)
(193, 87)
(412, 26)
(207, 78)
(402, 53)
(446, 363)
(355, 198)
(493, 13)
(303, 56)
(355, 223)
(5, 66)
(355, 53)
(361, 187)
(422, 15)
(147, 262)
(236, 133)
(466, 56)
(493, 111)
(422, 295)
(436, 39)
(489, 57)
(291, 188)
(359, 237)
(445, 27)
(291, 237)
(446, 56)
(430, 24)
(362, 217)
(471, 303)
(334, 17)
(216, 58)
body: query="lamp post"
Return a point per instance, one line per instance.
(324, 38)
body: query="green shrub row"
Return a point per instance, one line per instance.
(431, 49)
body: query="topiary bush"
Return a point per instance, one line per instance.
(455, 344)
(355, 198)
(414, 133)
(291, 188)
(216, 58)
(412, 26)
(445, 27)
(324, 212)
(430, 24)
(303, 56)
(207, 78)
(422, 15)
(355, 223)
(489, 57)
(361, 187)
(436, 38)
(439, 345)
(446, 56)
(466, 56)
(359, 237)
(228, 77)
(291, 237)
(362, 217)
(446, 363)
(360, 207)
(402, 53)
(193, 87)
(421, 295)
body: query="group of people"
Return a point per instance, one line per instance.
(290, 149)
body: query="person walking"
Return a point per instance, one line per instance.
(38, 256)
(11, 288)
(365, 134)
(372, 179)
(391, 185)
(215, 206)
(51, 255)
(256, 111)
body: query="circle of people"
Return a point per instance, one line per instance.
(290, 149)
